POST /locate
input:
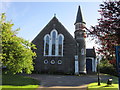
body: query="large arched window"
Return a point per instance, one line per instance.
(60, 44)
(54, 40)
(53, 44)
(46, 44)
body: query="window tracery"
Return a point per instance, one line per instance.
(53, 44)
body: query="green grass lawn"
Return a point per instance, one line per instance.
(10, 82)
(103, 86)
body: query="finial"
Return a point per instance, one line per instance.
(54, 14)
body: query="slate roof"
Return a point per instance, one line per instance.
(90, 53)
(79, 18)
(50, 26)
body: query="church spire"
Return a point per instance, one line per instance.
(80, 39)
(79, 18)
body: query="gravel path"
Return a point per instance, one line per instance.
(66, 80)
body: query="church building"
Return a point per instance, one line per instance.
(59, 52)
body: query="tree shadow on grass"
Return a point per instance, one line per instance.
(18, 80)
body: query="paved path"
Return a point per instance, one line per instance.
(65, 81)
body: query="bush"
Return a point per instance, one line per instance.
(107, 68)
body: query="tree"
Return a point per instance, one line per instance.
(17, 55)
(108, 29)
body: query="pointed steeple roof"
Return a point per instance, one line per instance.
(79, 18)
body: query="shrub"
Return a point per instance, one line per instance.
(107, 68)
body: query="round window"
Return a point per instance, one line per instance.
(59, 62)
(52, 61)
(45, 61)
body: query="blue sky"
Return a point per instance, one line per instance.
(32, 17)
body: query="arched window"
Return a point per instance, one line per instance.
(60, 44)
(54, 37)
(53, 44)
(46, 44)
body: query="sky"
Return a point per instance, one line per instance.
(32, 17)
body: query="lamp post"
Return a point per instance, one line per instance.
(98, 70)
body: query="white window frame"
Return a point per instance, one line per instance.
(82, 51)
(54, 30)
(45, 44)
(46, 61)
(62, 43)
(56, 43)
(52, 62)
(59, 61)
